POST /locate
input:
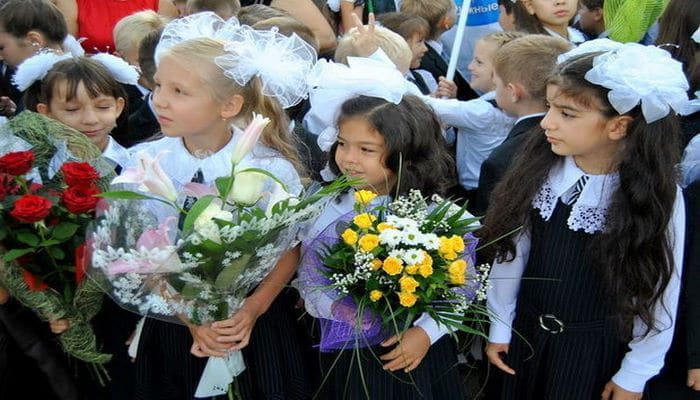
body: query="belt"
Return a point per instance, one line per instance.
(553, 324)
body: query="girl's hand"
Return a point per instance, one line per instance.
(4, 296)
(7, 107)
(205, 344)
(614, 392)
(694, 379)
(493, 352)
(364, 42)
(238, 328)
(446, 89)
(59, 326)
(412, 347)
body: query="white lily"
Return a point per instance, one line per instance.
(278, 194)
(249, 137)
(247, 187)
(149, 175)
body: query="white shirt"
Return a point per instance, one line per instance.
(481, 127)
(117, 153)
(575, 36)
(646, 355)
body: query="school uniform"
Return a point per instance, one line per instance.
(435, 378)
(433, 62)
(496, 164)
(566, 340)
(165, 369)
(143, 123)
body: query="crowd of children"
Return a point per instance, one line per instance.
(575, 136)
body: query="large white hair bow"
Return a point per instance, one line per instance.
(591, 46)
(637, 74)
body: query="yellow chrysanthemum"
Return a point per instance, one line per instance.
(408, 284)
(449, 247)
(376, 264)
(363, 197)
(411, 269)
(392, 266)
(457, 272)
(427, 260)
(364, 221)
(384, 226)
(407, 299)
(368, 242)
(425, 270)
(375, 295)
(457, 279)
(457, 243)
(349, 237)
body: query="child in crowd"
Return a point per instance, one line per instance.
(505, 15)
(590, 284)
(180, 6)
(393, 46)
(200, 109)
(441, 15)
(223, 8)
(591, 20)
(481, 124)
(547, 17)
(130, 31)
(520, 71)
(381, 142)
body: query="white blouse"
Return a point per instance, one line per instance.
(646, 355)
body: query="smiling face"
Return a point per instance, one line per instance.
(361, 153)
(481, 66)
(418, 48)
(582, 132)
(553, 14)
(95, 117)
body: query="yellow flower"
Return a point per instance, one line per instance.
(407, 299)
(411, 269)
(375, 295)
(349, 237)
(425, 270)
(446, 248)
(364, 221)
(392, 266)
(363, 197)
(457, 279)
(457, 272)
(427, 260)
(384, 226)
(369, 242)
(376, 264)
(408, 284)
(457, 243)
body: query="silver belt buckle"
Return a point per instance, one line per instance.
(551, 317)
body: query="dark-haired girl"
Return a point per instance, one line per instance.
(379, 141)
(590, 284)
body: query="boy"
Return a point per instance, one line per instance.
(591, 21)
(223, 8)
(520, 72)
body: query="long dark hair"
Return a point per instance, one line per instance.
(676, 26)
(415, 147)
(633, 256)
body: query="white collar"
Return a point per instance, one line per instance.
(488, 96)
(527, 116)
(574, 35)
(436, 45)
(115, 152)
(589, 213)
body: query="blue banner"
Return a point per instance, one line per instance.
(481, 12)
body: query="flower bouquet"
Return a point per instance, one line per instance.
(198, 263)
(49, 177)
(374, 271)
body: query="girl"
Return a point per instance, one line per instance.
(380, 141)
(198, 106)
(590, 285)
(549, 17)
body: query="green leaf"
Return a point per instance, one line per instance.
(50, 242)
(222, 184)
(28, 238)
(195, 211)
(231, 272)
(56, 253)
(124, 195)
(15, 254)
(65, 230)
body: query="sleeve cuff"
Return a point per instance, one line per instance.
(499, 332)
(434, 330)
(630, 381)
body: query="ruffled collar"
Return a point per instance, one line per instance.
(590, 211)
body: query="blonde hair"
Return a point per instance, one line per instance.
(223, 8)
(529, 61)
(287, 26)
(502, 37)
(129, 31)
(201, 51)
(432, 10)
(395, 47)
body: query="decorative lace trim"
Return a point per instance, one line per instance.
(545, 200)
(586, 218)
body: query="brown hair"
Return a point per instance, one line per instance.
(288, 26)
(405, 24)
(19, 17)
(502, 37)
(676, 26)
(223, 8)
(276, 134)
(528, 61)
(254, 13)
(432, 10)
(526, 22)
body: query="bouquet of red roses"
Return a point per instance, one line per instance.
(47, 198)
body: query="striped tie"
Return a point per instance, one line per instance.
(577, 189)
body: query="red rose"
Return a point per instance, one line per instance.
(81, 198)
(80, 263)
(79, 173)
(7, 185)
(35, 284)
(16, 163)
(31, 208)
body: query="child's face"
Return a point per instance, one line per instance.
(183, 103)
(94, 117)
(504, 95)
(361, 153)
(481, 66)
(552, 13)
(590, 18)
(578, 131)
(14, 50)
(418, 48)
(180, 5)
(507, 21)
